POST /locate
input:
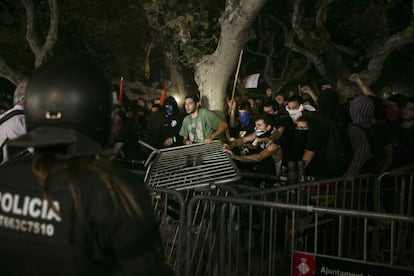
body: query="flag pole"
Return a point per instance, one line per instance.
(237, 75)
(121, 84)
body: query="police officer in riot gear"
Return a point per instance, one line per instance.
(64, 210)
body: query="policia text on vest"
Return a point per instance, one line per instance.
(31, 215)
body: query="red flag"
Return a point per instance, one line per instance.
(121, 84)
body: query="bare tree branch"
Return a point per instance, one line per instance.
(30, 27)
(41, 53)
(380, 54)
(52, 35)
(321, 14)
(310, 50)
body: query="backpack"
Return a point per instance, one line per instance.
(337, 150)
(377, 156)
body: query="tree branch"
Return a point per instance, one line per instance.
(41, 53)
(380, 54)
(52, 35)
(30, 27)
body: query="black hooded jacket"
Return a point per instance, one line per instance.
(171, 124)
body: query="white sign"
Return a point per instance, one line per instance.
(251, 81)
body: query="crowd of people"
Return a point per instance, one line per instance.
(61, 191)
(263, 133)
(266, 131)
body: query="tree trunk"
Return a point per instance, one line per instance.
(178, 87)
(213, 71)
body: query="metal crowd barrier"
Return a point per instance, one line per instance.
(192, 167)
(174, 176)
(259, 237)
(170, 207)
(396, 193)
(214, 222)
(362, 230)
(386, 193)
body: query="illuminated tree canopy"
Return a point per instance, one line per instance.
(196, 44)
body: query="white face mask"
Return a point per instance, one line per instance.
(295, 114)
(259, 132)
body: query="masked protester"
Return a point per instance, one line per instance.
(296, 141)
(171, 124)
(241, 122)
(371, 140)
(74, 213)
(245, 118)
(296, 108)
(262, 152)
(295, 114)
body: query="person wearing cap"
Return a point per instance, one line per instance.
(65, 210)
(12, 122)
(200, 125)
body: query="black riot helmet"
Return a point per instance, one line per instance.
(68, 102)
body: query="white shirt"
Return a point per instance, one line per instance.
(12, 128)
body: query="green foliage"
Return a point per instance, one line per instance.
(191, 28)
(115, 32)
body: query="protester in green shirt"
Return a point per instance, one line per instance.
(200, 125)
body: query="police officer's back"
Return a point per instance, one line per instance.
(65, 211)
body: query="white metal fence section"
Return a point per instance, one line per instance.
(213, 222)
(257, 237)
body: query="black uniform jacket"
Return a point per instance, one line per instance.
(103, 240)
